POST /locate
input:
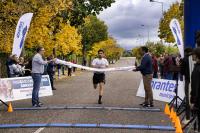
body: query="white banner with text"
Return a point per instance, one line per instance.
(12, 89)
(163, 90)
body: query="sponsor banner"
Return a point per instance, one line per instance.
(12, 89)
(163, 90)
(176, 31)
(20, 33)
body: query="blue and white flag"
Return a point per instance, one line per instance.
(176, 30)
(20, 33)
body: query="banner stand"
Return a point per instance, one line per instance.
(176, 97)
(192, 123)
(174, 101)
(4, 103)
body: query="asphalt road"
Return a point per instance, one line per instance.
(120, 91)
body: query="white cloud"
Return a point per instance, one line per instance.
(125, 17)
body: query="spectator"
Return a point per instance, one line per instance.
(22, 65)
(168, 62)
(51, 70)
(195, 85)
(37, 71)
(146, 69)
(59, 70)
(69, 70)
(28, 67)
(74, 68)
(9, 62)
(185, 70)
(155, 66)
(161, 66)
(15, 69)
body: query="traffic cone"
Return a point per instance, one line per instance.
(178, 126)
(174, 118)
(177, 122)
(167, 110)
(10, 108)
(171, 113)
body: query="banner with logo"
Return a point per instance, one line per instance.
(163, 90)
(12, 89)
(20, 33)
(176, 31)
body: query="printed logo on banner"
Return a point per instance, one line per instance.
(24, 83)
(178, 40)
(23, 37)
(164, 87)
(163, 90)
(21, 25)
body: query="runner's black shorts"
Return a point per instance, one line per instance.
(99, 78)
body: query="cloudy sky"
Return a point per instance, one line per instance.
(132, 22)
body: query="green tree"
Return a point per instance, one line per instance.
(156, 48)
(127, 53)
(93, 31)
(83, 8)
(137, 53)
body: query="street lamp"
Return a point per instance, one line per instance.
(162, 9)
(147, 29)
(160, 3)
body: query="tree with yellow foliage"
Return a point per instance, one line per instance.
(175, 11)
(44, 11)
(110, 47)
(50, 31)
(68, 40)
(48, 14)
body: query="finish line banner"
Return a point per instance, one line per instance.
(128, 68)
(12, 89)
(163, 90)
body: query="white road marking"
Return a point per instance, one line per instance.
(39, 130)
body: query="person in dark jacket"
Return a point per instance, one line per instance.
(51, 71)
(9, 62)
(185, 70)
(146, 69)
(155, 66)
(195, 85)
(28, 67)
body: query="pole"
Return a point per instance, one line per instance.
(160, 3)
(148, 35)
(3, 103)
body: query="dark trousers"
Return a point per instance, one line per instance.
(36, 87)
(187, 111)
(155, 74)
(51, 80)
(69, 71)
(198, 120)
(196, 112)
(74, 69)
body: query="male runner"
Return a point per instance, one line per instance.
(99, 77)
